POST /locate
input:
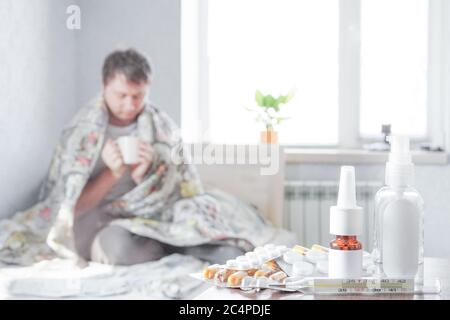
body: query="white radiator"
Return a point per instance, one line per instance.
(307, 209)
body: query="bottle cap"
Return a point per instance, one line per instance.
(399, 168)
(346, 218)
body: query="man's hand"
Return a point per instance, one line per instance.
(113, 158)
(97, 188)
(139, 170)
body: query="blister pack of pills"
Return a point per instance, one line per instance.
(271, 265)
(261, 262)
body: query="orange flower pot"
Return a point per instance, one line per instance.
(269, 137)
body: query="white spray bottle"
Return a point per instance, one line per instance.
(345, 256)
(398, 237)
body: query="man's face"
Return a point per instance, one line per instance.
(124, 98)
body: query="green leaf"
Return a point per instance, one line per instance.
(290, 95)
(282, 99)
(259, 98)
(269, 101)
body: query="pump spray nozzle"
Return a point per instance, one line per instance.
(346, 223)
(347, 190)
(399, 168)
(399, 150)
(346, 217)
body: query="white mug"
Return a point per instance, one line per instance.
(129, 147)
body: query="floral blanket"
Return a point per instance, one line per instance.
(170, 205)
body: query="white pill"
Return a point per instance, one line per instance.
(243, 265)
(322, 266)
(263, 257)
(280, 251)
(283, 249)
(251, 255)
(255, 263)
(292, 256)
(231, 263)
(259, 250)
(241, 258)
(273, 253)
(302, 268)
(252, 258)
(269, 246)
(315, 256)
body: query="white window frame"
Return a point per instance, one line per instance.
(195, 73)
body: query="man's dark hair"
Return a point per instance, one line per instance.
(132, 64)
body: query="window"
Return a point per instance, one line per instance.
(394, 66)
(356, 64)
(274, 52)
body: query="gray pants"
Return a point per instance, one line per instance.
(97, 241)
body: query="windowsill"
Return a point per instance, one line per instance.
(355, 156)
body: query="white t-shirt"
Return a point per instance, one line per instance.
(125, 183)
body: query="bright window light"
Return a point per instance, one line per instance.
(273, 46)
(394, 66)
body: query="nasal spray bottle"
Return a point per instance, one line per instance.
(346, 223)
(398, 219)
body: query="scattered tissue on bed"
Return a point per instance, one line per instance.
(164, 279)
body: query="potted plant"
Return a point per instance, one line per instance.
(268, 112)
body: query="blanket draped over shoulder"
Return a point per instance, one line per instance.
(169, 205)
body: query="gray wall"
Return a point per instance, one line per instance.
(151, 26)
(47, 72)
(37, 94)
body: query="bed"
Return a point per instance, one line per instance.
(167, 278)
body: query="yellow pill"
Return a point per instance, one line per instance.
(236, 278)
(278, 276)
(222, 275)
(319, 248)
(300, 249)
(210, 272)
(251, 272)
(263, 273)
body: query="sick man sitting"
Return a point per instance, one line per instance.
(93, 205)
